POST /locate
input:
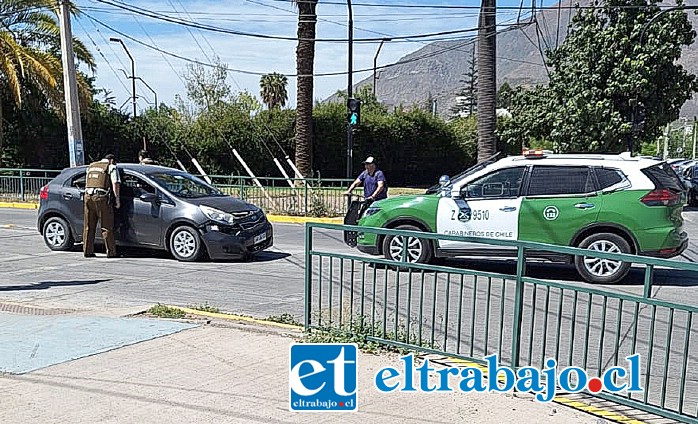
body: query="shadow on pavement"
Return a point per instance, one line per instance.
(48, 284)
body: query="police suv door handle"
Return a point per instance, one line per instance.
(508, 209)
(584, 206)
(67, 196)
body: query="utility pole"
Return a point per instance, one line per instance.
(72, 106)
(350, 141)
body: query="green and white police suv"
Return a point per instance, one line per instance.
(608, 203)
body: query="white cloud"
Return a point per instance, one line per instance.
(246, 53)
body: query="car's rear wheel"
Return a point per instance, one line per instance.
(57, 235)
(185, 244)
(417, 250)
(598, 270)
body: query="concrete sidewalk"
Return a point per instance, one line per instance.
(232, 372)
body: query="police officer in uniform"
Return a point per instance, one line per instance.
(101, 186)
(144, 158)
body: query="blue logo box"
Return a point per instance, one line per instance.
(323, 377)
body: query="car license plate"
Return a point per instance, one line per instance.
(260, 238)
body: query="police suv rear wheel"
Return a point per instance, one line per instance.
(598, 270)
(185, 244)
(418, 250)
(57, 234)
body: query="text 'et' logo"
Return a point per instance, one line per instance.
(323, 377)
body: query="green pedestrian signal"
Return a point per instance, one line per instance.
(354, 111)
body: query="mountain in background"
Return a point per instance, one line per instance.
(435, 71)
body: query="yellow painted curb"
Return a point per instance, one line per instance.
(19, 205)
(303, 219)
(236, 318)
(580, 406)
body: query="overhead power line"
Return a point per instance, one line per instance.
(456, 46)
(184, 22)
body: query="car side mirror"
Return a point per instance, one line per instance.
(148, 197)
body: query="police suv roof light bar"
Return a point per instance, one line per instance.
(533, 153)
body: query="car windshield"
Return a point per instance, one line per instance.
(185, 185)
(473, 169)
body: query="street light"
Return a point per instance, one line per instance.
(149, 88)
(133, 72)
(153, 91)
(375, 61)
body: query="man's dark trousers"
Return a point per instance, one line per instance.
(97, 207)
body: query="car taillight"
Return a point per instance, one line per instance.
(661, 197)
(43, 194)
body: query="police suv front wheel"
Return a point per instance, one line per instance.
(57, 234)
(411, 249)
(598, 270)
(185, 244)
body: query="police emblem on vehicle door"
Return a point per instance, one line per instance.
(464, 212)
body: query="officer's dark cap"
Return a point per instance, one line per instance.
(110, 157)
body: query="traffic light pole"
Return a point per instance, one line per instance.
(350, 141)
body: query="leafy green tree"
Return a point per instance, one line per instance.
(30, 62)
(504, 96)
(273, 90)
(207, 88)
(598, 72)
(466, 103)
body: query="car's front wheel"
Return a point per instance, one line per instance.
(598, 270)
(57, 235)
(185, 244)
(411, 249)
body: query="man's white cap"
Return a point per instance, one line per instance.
(369, 159)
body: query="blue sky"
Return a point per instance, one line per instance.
(271, 17)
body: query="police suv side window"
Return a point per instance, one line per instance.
(608, 177)
(501, 183)
(560, 180)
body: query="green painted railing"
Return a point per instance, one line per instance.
(470, 314)
(311, 197)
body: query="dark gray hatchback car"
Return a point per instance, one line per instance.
(161, 208)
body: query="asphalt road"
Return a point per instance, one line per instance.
(271, 285)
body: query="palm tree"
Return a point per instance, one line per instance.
(273, 87)
(487, 81)
(30, 49)
(305, 58)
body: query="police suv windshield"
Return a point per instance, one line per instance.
(185, 185)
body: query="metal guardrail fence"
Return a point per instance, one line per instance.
(310, 197)
(470, 314)
(24, 184)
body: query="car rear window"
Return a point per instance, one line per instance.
(663, 176)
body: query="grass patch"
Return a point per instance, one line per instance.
(284, 319)
(164, 311)
(359, 328)
(207, 308)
